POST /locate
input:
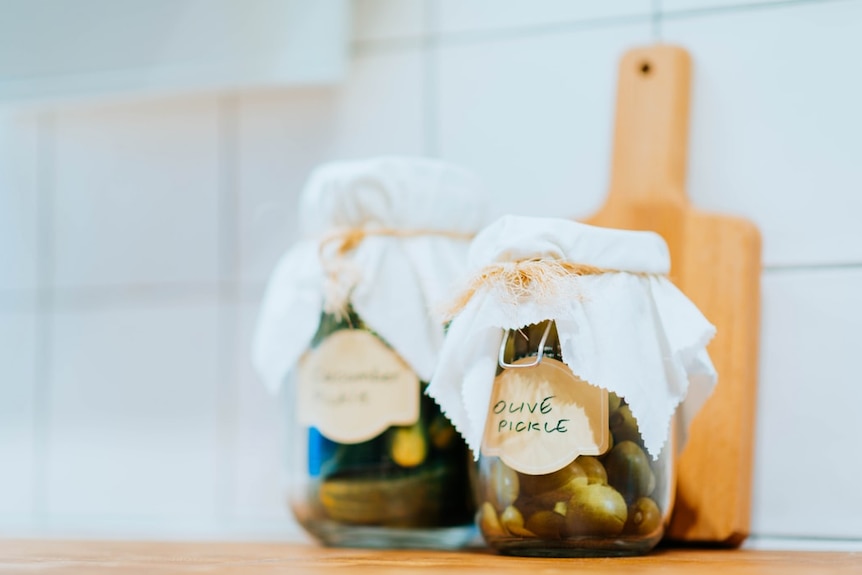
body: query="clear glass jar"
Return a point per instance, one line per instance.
(616, 503)
(406, 487)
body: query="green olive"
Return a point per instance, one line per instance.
(503, 486)
(540, 484)
(597, 510)
(489, 523)
(644, 517)
(547, 500)
(629, 471)
(547, 524)
(624, 426)
(513, 522)
(613, 402)
(594, 469)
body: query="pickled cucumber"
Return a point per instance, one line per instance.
(408, 476)
(412, 500)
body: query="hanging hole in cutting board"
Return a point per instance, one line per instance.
(645, 68)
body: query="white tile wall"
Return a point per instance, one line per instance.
(481, 15)
(388, 19)
(381, 108)
(776, 125)
(261, 433)
(18, 200)
(148, 420)
(281, 136)
(136, 193)
(807, 454)
(17, 411)
(132, 411)
(534, 115)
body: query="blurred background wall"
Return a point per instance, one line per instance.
(136, 236)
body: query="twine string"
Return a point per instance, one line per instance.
(348, 239)
(537, 279)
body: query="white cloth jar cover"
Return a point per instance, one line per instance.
(628, 330)
(390, 235)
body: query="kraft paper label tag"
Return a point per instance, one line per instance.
(542, 418)
(352, 388)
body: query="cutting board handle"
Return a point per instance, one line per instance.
(651, 131)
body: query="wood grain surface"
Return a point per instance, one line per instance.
(122, 558)
(716, 262)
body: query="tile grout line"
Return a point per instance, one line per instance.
(656, 21)
(45, 218)
(107, 296)
(811, 267)
(656, 16)
(479, 35)
(718, 9)
(228, 310)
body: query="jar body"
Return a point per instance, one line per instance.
(405, 487)
(617, 502)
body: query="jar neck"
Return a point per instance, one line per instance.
(525, 342)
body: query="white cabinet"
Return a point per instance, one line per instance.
(56, 49)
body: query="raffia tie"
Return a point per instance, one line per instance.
(347, 239)
(342, 276)
(536, 279)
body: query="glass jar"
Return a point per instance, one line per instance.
(401, 485)
(616, 502)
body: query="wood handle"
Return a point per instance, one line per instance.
(651, 132)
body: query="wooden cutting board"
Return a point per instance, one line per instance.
(715, 260)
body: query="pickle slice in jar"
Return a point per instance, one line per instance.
(409, 500)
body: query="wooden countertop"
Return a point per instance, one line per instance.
(128, 558)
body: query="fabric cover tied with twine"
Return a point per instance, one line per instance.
(622, 324)
(388, 236)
